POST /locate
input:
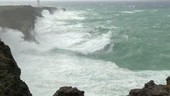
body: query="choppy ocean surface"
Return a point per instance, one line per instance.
(103, 48)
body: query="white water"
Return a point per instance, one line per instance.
(56, 29)
(45, 67)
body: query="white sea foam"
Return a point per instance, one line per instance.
(93, 44)
(64, 15)
(133, 11)
(95, 77)
(57, 32)
(130, 12)
(14, 38)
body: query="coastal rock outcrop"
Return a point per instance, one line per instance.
(22, 18)
(152, 89)
(69, 91)
(10, 82)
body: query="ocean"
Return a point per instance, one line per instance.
(104, 48)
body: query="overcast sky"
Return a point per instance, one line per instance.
(79, 0)
(83, 0)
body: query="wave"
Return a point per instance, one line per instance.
(64, 15)
(63, 34)
(131, 12)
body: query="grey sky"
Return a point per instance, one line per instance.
(83, 0)
(79, 0)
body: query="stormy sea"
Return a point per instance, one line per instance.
(103, 48)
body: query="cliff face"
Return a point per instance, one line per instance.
(21, 18)
(10, 82)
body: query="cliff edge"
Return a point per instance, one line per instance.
(10, 82)
(22, 18)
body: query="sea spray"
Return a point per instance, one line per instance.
(73, 37)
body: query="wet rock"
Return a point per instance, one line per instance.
(69, 91)
(134, 92)
(150, 84)
(152, 89)
(168, 81)
(10, 82)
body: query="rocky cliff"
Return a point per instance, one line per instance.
(22, 18)
(10, 82)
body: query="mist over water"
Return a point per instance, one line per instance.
(104, 49)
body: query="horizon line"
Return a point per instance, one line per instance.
(83, 0)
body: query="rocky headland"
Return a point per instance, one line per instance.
(22, 18)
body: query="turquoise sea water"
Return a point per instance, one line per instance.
(140, 31)
(103, 48)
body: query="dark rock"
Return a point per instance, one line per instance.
(134, 92)
(69, 91)
(151, 89)
(10, 82)
(150, 84)
(168, 81)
